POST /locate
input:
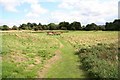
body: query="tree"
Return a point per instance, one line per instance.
(23, 27)
(40, 27)
(101, 27)
(91, 26)
(29, 25)
(52, 26)
(109, 26)
(64, 25)
(83, 27)
(35, 28)
(75, 26)
(115, 25)
(14, 27)
(34, 24)
(5, 27)
(45, 27)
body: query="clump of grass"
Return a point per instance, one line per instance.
(45, 54)
(31, 55)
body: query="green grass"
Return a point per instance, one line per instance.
(67, 67)
(20, 51)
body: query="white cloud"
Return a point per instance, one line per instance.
(10, 5)
(30, 1)
(10, 23)
(119, 10)
(85, 11)
(88, 11)
(65, 16)
(36, 10)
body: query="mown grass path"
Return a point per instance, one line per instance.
(68, 65)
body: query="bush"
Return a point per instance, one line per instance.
(100, 60)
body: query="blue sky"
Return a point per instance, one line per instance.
(16, 12)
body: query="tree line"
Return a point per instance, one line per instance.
(113, 26)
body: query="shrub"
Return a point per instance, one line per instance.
(100, 60)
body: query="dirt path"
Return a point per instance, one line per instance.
(49, 63)
(68, 66)
(63, 65)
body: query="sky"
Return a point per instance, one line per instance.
(16, 12)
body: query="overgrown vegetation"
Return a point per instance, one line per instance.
(101, 60)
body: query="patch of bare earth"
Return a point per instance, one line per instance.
(49, 63)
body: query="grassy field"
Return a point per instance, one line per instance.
(36, 54)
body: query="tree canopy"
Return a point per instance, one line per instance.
(4, 27)
(115, 25)
(75, 26)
